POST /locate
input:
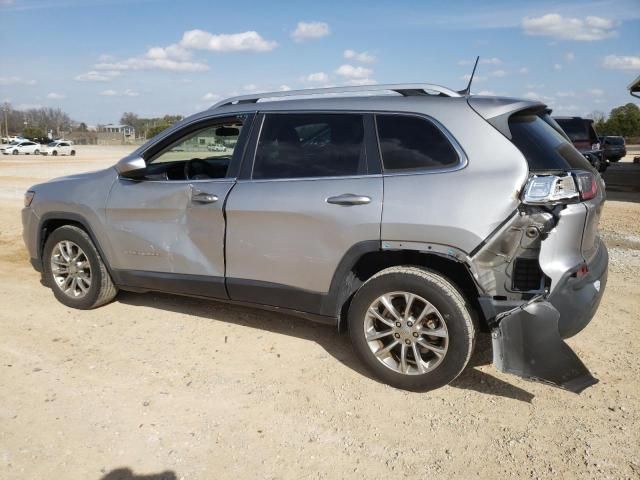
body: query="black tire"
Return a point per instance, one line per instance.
(101, 291)
(438, 291)
(54, 153)
(15, 152)
(36, 152)
(616, 159)
(73, 153)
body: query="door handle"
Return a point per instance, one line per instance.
(349, 199)
(203, 197)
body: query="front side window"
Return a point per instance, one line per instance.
(200, 154)
(409, 143)
(310, 145)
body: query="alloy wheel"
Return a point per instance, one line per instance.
(71, 269)
(406, 333)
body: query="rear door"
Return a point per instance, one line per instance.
(310, 191)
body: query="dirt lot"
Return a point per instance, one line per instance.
(201, 390)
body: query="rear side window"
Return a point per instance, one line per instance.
(409, 143)
(543, 146)
(310, 145)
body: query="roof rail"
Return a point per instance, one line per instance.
(404, 89)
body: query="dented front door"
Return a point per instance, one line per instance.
(174, 227)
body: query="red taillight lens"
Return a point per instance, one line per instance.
(587, 185)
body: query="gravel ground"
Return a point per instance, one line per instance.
(175, 387)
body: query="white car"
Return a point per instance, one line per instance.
(16, 147)
(59, 147)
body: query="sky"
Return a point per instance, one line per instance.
(98, 59)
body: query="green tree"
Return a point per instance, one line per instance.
(155, 130)
(624, 120)
(32, 132)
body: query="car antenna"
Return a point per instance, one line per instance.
(467, 91)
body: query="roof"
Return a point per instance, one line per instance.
(634, 87)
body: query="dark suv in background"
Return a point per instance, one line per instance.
(614, 147)
(584, 137)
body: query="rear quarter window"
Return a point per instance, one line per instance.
(410, 143)
(543, 146)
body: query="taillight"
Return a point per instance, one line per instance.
(587, 185)
(542, 189)
(570, 187)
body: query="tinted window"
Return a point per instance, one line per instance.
(614, 140)
(543, 146)
(575, 128)
(310, 145)
(408, 143)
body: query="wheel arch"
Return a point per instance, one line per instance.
(364, 261)
(51, 221)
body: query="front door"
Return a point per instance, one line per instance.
(311, 197)
(168, 228)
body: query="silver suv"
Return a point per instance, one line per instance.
(415, 216)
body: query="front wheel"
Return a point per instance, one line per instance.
(15, 152)
(36, 152)
(74, 270)
(411, 328)
(54, 153)
(73, 153)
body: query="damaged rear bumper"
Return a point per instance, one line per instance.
(528, 339)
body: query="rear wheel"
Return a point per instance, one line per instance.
(36, 152)
(411, 328)
(74, 270)
(54, 153)
(73, 152)
(15, 152)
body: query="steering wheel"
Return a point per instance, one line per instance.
(188, 169)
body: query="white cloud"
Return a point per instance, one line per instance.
(145, 63)
(361, 81)
(310, 31)
(596, 92)
(114, 93)
(490, 93)
(483, 61)
(498, 73)
(349, 71)
(250, 41)
(476, 78)
(210, 97)
(284, 88)
(362, 57)
(523, 70)
(56, 96)
(537, 96)
(6, 81)
(28, 106)
(569, 56)
(557, 66)
(94, 76)
(621, 62)
(250, 87)
(564, 28)
(317, 77)
(172, 52)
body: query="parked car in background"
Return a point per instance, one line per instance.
(17, 147)
(361, 212)
(59, 147)
(584, 137)
(614, 147)
(216, 147)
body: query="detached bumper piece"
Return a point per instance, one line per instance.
(527, 343)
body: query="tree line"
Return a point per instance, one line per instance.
(623, 121)
(148, 127)
(33, 122)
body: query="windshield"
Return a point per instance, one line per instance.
(52, 144)
(615, 140)
(543, 146)
(14, 142)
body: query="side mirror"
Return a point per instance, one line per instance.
(131, 167)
